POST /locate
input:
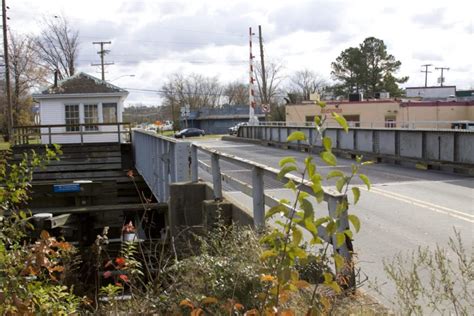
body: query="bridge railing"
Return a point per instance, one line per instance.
(450, 147)
(163, 160)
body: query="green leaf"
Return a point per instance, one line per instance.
(317, 120)
(327, 143)
(339, 261)
(302, 196)
(328, 158)
(327, 277)
(268, 254)
(340, 239)
(365, 179)
(276, 209)
(341, 121)
(321, 221)
(356, 192)
(368, 162)
(285, 170)
(297, 236)
(290, 185)
(309, 225)
(296, 136)
(286, 160)
(322, 104)
(334, 174)
(340, 183)
(348, 233)
(354, 221)
(310, 166)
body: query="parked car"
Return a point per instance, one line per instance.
(189, 132)
(234, 129)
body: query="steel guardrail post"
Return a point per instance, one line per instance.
(216, 176)
(258, 197)
(346, 249)
(194, 164)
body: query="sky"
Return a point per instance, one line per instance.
(152, 39)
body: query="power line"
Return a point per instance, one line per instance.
(102, 52)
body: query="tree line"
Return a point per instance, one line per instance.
(33, 60)
(368, 68)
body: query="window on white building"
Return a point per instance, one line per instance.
(109, 112)
(91, 116)
(72, 117)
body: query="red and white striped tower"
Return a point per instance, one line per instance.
(253, 120)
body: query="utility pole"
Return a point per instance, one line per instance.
(426, 73)
(441, 79)
(102, 52)
(8, 110)
(265, 105)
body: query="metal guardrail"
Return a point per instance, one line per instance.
(163, 160)
(32, 134)
(436, 125)
(450, 147)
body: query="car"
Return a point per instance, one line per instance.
(234, 129)
(189, 132)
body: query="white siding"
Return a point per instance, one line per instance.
(52, 112)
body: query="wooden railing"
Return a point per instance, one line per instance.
(45, 134)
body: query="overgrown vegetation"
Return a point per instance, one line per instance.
(433, 281)
(33, 274)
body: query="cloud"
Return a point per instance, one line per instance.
(433, 18)
(427, 56)
(311, 16)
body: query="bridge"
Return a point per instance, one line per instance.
(406, 207)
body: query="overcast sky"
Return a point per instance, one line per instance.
(152, 38)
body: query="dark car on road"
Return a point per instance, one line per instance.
(189, 132)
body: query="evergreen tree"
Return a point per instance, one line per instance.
(368, 68)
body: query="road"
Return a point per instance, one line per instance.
(405, 208)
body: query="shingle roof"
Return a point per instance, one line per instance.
(81, 83)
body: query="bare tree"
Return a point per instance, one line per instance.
(237, 93)
(57, 46)
(274, 78)
(305, 82)
(27, 73)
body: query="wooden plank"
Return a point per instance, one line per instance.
(76, 168)
(88, 175)
(94, 208)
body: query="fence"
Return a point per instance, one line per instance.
(72, 133)
(162, 160)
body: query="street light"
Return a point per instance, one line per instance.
(121, 77)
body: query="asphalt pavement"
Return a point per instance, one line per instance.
(405, 208)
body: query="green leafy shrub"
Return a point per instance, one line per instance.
(31, 273)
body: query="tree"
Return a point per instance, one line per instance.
(26, 75)
(305, 82)
(57, 46)
(274, 79)
(237, 93)
(368, 68)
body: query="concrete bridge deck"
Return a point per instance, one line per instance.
(406, 208)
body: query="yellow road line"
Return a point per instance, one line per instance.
(422, 204)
